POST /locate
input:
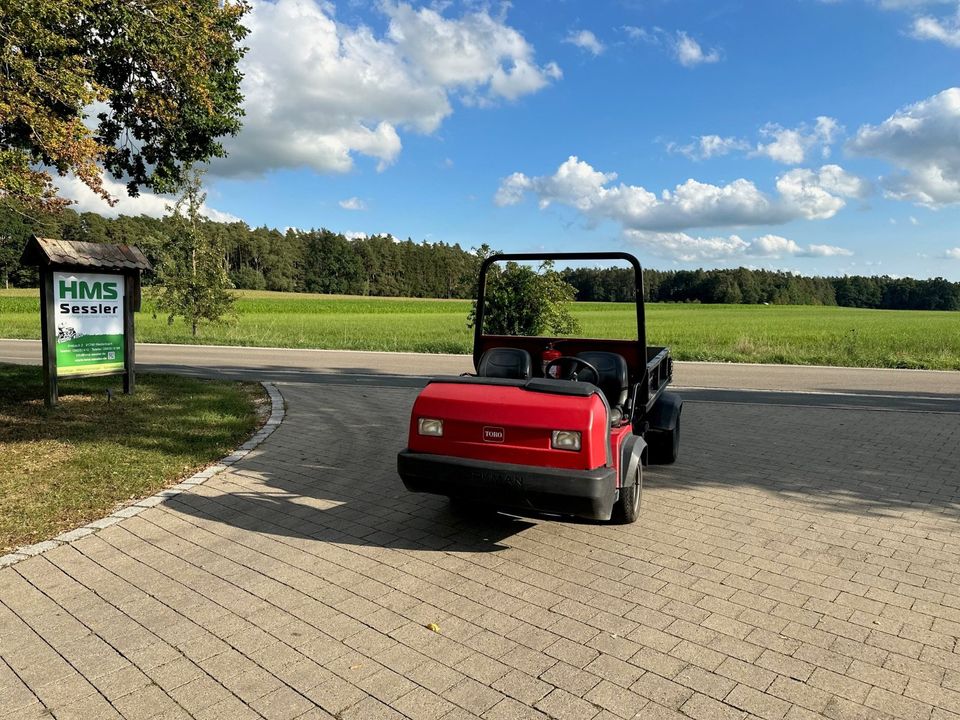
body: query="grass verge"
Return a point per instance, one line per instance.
(66, 466)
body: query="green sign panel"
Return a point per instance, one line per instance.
(88, 315)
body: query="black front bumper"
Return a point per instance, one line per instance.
(584, 493)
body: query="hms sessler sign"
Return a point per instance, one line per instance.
(88, 312)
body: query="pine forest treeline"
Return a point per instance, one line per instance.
(322, 261)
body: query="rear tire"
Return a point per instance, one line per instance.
(664, 445)
(627, 509)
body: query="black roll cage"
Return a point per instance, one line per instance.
(542, 257)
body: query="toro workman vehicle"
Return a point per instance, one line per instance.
(547, 424)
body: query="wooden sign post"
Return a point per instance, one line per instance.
(89, 293)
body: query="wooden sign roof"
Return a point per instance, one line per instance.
(103, 256)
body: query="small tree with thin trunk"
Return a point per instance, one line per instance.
(191, 273)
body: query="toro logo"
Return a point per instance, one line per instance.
(493, 434)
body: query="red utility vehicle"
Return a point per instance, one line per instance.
(549, 424)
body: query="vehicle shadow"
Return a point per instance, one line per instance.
(329, 472)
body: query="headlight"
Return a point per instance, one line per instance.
(429, 426)
(565, 440)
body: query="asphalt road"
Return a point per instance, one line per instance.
(284, 364)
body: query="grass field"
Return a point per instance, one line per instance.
(736, 333)
(75, 463)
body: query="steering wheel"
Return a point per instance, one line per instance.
(573, 373)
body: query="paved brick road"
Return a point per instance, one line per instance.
(798, 562)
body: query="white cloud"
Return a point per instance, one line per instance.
(922, 141)
(835, 179)
(774, 246)
(353, 203)
(952, 253)
(914, 221)
(818, 195)
(786, 145)
(687, 248)
(511, 189)
(319, 92)
(684, 49)
(808, 194)
(708, 146)
(146, 203)
(690, 54)
(585, 40)
(640, 33)
(826, 251)
(945, 30)
(791, 145)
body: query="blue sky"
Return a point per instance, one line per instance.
(820, 137)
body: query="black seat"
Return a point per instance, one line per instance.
(614, 381)
(505, 362)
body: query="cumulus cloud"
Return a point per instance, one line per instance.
(511, 189)
(944, 30)
(319, 92)
(585, 40)
(687, 248)
(826, 251)
(801, 193)
(690, 54)
(791, 145)
(146, 203)
(952, 253)
(922, 141)
(818, 195)
(708, 146)
(683, 48)
(353, 203)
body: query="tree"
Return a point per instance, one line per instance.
(519, 300)
(192, 274)
(331, 265)
(13, 236)
(161, 75)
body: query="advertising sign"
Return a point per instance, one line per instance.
(88, 317)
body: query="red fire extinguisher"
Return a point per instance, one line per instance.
(550, 354)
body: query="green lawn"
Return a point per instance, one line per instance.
(77, 462)
(738, 333)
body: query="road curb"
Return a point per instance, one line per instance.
(277, 412)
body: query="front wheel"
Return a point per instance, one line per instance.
(627, 509)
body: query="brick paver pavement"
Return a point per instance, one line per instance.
(798, 562)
